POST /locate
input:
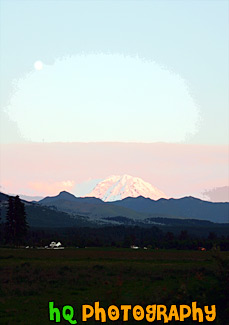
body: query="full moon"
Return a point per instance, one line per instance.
(38, 65)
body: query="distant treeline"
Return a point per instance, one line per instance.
(123, 236)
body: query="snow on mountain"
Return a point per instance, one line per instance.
(118, 187)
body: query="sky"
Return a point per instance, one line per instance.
(176, 169)
(117, 72)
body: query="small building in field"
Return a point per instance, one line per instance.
(54, 245)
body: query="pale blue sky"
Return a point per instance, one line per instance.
(186, 42)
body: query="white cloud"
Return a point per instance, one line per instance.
(101, 97)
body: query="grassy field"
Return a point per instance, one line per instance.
(30, 278)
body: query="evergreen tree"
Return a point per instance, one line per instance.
(10, 222)
(16, 224)
(21, 225)
(1, 225)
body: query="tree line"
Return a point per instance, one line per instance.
(15, 231)
(15, 228)
(124, 237)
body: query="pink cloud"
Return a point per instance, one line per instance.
(50, 188)
(176, 169)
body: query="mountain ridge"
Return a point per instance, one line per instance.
(140, 207)
(188, 206)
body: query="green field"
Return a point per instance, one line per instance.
(30, 278)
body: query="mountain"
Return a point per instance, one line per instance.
(66, 210)
(66, 196)
(187, 207)
(140, 208)
(88, 206)
(118, 187)
(45, 217)
(3, 197)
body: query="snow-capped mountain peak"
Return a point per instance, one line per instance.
(118, 187)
